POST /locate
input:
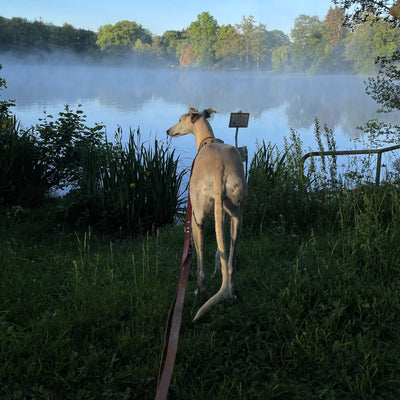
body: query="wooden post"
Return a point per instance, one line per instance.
(378, 168)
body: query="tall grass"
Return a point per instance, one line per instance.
(125, 188)
(286, 198)
(130, 188)
(315, 317)
(20, 169)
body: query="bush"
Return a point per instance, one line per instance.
(125, 188)
(20, 168)
(62, 143)
(129, 188)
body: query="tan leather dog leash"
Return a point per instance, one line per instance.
(175, 313)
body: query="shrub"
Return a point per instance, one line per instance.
(20, 169)
(62, 143)
(130, 188)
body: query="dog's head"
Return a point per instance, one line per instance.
(186, 121)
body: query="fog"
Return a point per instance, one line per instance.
(153, 99)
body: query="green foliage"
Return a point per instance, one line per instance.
(121, 37)
(62, 142)
(374, 38)
(385, 87)
(309, 44)
(355, 10)
(226, 46)
(126, 189)
(316, 318)
(21, 172)
(20, 169)
(174, 42)
(283, 197)
(280, 58)
(315, 46)
(202, 35)
(22, 36)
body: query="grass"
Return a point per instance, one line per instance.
(82, 315)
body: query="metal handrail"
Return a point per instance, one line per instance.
(355, 152)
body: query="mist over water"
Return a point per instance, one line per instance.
(154, 100)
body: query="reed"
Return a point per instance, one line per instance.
(128, 188)
(20, 168)
(285, 198)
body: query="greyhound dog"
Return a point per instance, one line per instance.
(217, 183)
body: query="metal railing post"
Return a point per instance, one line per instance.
(355, 152)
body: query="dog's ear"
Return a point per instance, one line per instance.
(194, 114)
(208, 112)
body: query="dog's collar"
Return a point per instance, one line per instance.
(213, 140)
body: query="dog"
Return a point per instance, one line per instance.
(217, 183)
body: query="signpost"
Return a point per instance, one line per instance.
(240, 120)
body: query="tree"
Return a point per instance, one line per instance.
(280, 58)
(372, 39)
(276, 40)
(395, 10)
(357, 11)
(385, 87)
(247, 33)
(227, 46)
(158, 48)
(144, 52)
(79, 41)
(334, 26)
(172, 43)
(334, 32)
(203, 35)
(121, 37)
(259, 46)
(308, 47)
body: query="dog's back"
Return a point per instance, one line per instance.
(222, 162)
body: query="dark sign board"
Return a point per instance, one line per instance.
(239, 120)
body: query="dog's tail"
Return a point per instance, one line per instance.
(225, 290)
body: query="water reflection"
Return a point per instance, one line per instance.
(338, 101)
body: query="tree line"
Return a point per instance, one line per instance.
(313, 46)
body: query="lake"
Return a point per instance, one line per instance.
(154, 99)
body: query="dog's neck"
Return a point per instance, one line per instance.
(202, 131)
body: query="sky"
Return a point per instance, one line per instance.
(158, 16)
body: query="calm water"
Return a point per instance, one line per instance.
(154, 100)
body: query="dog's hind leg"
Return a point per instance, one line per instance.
(224, 292)
(198, 239)
(217, 267)
(236, 223)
